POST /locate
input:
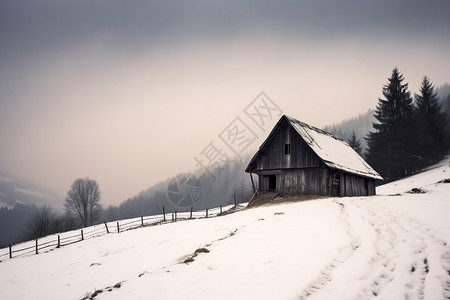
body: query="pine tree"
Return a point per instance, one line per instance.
(355, 143)
(391, 146)
(431, 124)
(446, 110)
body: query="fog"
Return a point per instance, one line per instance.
(129, 93)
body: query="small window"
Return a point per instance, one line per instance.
(287, 149)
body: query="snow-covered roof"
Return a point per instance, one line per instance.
(331, 149)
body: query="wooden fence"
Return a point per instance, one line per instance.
(66, 238)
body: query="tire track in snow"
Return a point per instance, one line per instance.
(382, 264)
(446, 266)
(436, 267)
(419, 265)
(344, 253)
(427, 272)
(410, 243)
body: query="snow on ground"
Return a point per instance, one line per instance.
(389, 247)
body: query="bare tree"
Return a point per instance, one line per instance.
(83, 201)
(46, 221)
(42, 223)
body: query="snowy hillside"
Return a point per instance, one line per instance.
(390, 246)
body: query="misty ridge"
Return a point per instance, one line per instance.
(21, 202)
(232, 184)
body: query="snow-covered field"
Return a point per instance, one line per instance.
(390, 246)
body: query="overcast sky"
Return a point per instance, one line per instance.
(128, 92)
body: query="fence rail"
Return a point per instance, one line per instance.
(58, 240)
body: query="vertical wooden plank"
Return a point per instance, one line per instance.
(82, 236)
(351, 177)
(10, 251)
(324, 183)
(308, 182)
(329, 180)
(190, 216)
(118, 227)
(37, 251)
(59, 242)
(367, 187)
(341, 184)
(106, 226)
(317, 182)
(348, 191)
(299, 181)
(351, 184)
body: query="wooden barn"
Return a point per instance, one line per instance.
(297, 158)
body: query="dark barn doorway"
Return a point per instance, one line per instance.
(272, 182)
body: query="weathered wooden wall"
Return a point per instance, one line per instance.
(318, 181)
(274, 158)
(307, 181)
(353, 185)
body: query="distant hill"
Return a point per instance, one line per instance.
(14, 191)
(18, 201)
(201, 189)
(443, 92)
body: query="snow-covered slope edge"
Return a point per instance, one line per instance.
(390, 247)
(424, 180)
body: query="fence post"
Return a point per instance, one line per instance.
(10, 251)
(175, 215)
(82, 235)
(190, 217)
(220, 208)
(235, 204)
(106, 225)
(206, 212)
(59, 242)
(37, 251)
(118, 228)
(172, 217)
(164, 213)
(142, 220)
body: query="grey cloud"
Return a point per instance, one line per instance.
(30, 24)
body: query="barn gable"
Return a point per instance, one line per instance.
(299, 158)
